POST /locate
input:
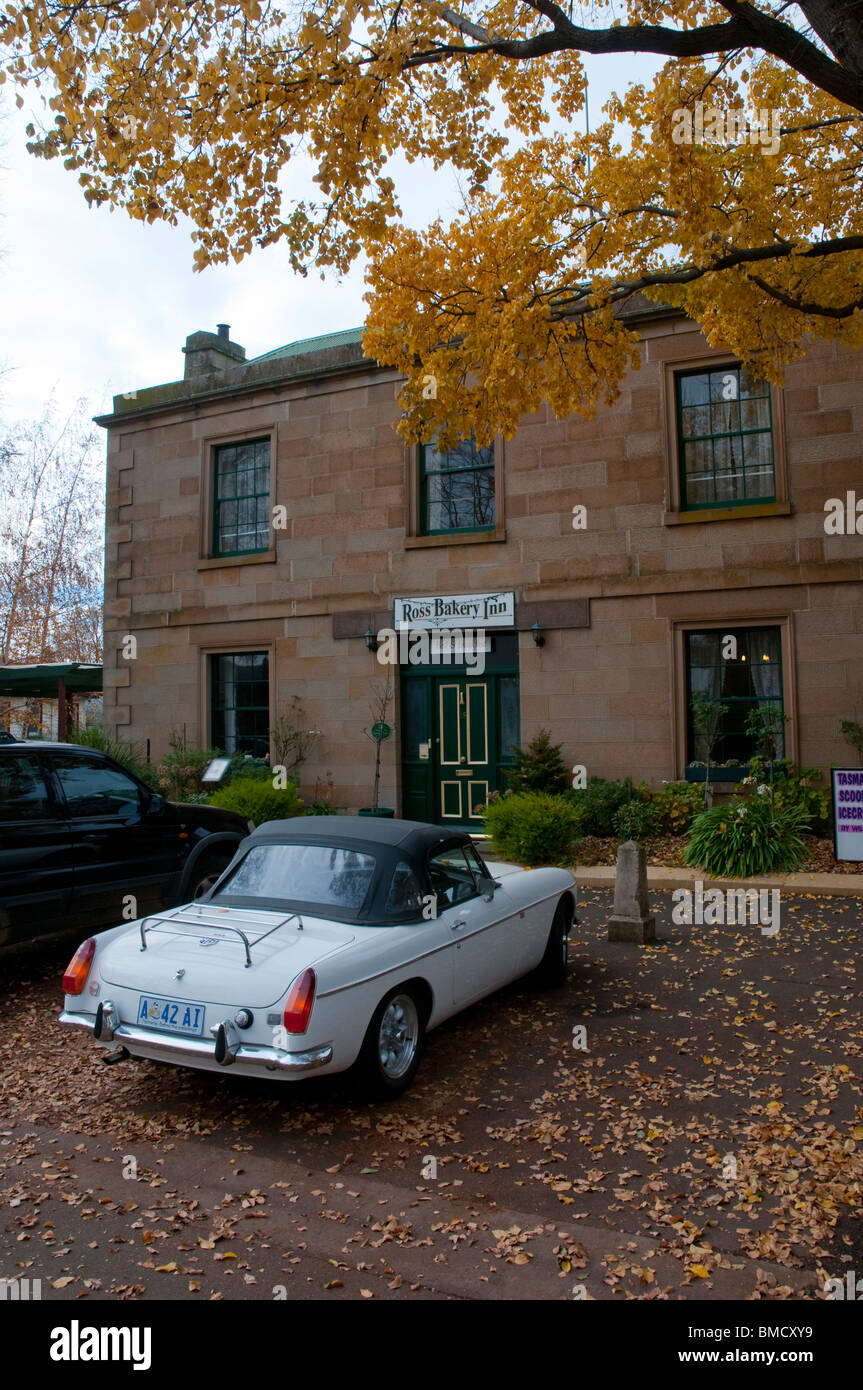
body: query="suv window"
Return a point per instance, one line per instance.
(92, 788)
(451, 878)
(23, 794)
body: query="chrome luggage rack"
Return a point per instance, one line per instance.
(166, 925)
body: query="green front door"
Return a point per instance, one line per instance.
(458, 731)
(464, 774)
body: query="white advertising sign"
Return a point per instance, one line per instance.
(848, 812)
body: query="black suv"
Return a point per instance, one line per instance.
(84, 844)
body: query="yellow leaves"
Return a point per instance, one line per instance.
(138, 19)
(493, 303)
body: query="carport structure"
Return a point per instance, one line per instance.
(52, 682)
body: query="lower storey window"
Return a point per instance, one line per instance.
(240, 702)
(739, 668)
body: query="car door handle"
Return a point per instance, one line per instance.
(462, 922)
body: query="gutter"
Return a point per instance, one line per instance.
(269, 383)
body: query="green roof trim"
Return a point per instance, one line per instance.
(41, 679)
(347, 337)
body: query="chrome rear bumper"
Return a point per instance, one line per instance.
(171, 1048)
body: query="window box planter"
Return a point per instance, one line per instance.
(717, 774)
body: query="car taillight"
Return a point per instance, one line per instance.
(79, 967)
(301, 997)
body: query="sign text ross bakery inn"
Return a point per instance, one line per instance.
(455, 610)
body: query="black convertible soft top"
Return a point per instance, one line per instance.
(413, 838)
(387, 841)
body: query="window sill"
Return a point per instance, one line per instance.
(727, 513)
(456, 538)
(256, 557)
(717, 774)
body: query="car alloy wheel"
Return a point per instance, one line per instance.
(398, 1036)
(555, 963)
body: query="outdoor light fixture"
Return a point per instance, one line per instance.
(536, 633)
(371, 641)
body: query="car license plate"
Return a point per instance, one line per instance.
(171, 1015)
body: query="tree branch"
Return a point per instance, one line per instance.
(748, 27)
(826, 311)
(583, 302)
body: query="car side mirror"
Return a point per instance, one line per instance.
(487, 888)
(156, 805)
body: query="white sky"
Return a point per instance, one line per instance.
(93, 303)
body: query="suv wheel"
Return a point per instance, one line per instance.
(205, 874)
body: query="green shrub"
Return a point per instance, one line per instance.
(242, 765)
(258, 800)
(635, 820)
(532, 827)
(183, 766)
(795, 788)
(853, 731)
(748, 836)
(597, 803)
(128, 755)
(539, 767)
(675, 805)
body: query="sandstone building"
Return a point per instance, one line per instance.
(266, 523)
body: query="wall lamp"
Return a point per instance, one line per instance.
(537, 634)
(371, 640)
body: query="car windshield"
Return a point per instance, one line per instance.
(317, 874)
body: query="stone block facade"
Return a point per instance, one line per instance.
(613, 691)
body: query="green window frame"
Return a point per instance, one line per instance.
(240, 702)
(457, 488)
(725, 443)
(753, 677)
(241, 497)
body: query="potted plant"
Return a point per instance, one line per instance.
(707, 716)
(379, 731)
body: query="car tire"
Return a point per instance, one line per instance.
(553, 967)
(204, 875)
(390, 1054)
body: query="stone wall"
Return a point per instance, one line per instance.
(610, 692)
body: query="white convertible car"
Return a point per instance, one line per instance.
(328, 943)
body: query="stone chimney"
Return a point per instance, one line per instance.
(211, 352)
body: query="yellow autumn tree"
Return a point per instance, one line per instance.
(729, 184)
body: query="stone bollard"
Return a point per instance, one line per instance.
(630, 919)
